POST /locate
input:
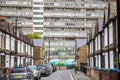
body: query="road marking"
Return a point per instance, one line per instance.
(72, 75)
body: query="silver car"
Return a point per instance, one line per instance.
(44, 69)
(18, 73)
(36, 72)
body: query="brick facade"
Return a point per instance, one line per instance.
(38, 55)
(82, 52)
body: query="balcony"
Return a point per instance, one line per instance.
(78, 34)
(70, 24)
(60, 44)
(16, 13)
(77, 4)
(73, 14)
(17, 3)
(22, 22)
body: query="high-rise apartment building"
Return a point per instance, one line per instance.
(68, 20)
(19, 11)
(60, 22)
(29, 14)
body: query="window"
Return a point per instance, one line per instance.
(39, 33)
(18, 8)
(90, 9)
(27, 29)
(51, 3)
(38, 8)
(88, 14)
(69, 24)
(80, 29)
(38, 28)
(38, 18)
(38, 13)
(38, 23)
(18, 70)
(2, 60)
(91, 19)
(70, 29)
(38, 3)
(79, 19)
(46, 3)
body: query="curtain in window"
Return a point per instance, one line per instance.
(105, 37)
(12, 44)
(111, 60)
(7, 61)
(12, 61)
(7, 42)
(106, 60)
(110, 34)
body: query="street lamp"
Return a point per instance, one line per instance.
(75, 48)
(58, 51)
(59, 58)
(16, 43)
(49, 53)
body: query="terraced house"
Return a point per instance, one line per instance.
(14, 50)
(103, 48)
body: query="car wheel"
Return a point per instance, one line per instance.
(47, 73)
(39, 77)
(31, 78)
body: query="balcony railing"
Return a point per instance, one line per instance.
(68, 4)
(16, 13)
(58, 44)
(72, 24)
(78, 34)
(17, 3)
(74, 14)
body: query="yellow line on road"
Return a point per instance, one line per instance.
(72, 76)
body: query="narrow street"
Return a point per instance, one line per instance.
(59, 75)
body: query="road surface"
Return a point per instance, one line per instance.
(59, 75)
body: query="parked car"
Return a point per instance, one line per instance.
(54, 67)
(44, 69)
(2, 76)
(36, 72)
(21, 73)
(50, 68)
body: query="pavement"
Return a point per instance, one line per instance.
(79, 75)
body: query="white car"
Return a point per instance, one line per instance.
(50, 67)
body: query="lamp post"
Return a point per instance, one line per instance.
(15, 33)
(16, 43)
(49, 53)
(75, 48)
(59, 58)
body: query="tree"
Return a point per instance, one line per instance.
(34, 36)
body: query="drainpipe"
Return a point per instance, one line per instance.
(118, 26)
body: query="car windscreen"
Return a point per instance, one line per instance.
(40, 66)
(18, 70)
(32, 68)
